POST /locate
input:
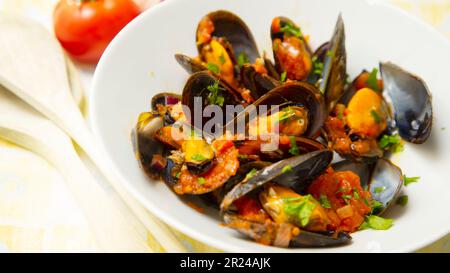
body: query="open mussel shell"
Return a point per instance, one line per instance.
(281, 235)
(145, 145)
(335, 66)
(242, 172)
(279, 34)
(196, 96)
(254, 147)
(320, 54)
(302, 170)
(190, 64)
(411, 100)
(258, 84)
(299, 94)
(229, 26)
(165, 99)
(383, 179)
(270, 66)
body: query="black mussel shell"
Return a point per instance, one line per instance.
(258, 84)
(334, 72)
(229, 26)
(383, 179)
(319, 57)
(302, 170)
(412, 103)
(280, 235)
(197, 94)
(146, 147)
(299, 94)
(189, 64)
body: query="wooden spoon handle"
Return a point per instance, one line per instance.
(81, 134)
(113, 226)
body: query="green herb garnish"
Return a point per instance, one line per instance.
(198, 157)
(222, 58)
(377, 223)
(213, 68)
(379, 189)
(356, 194)
(201, 180)
(178, 174)
(346, 197)
(286, 169)
(287, 113)
(250, 174)
(283, 76)
(242, 59)
(291, 30)
(372, 80)
(214, 97)
(324, 201)
(391, 143)
(242, 157)
(375, 116)
(300, 208)
(376, 206)
(402, 200)
(294, 148)
(317, 66)
(409, 180)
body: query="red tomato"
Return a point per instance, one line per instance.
(86, 27)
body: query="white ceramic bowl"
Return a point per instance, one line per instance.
(139, 63)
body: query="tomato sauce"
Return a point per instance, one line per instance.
(348, 202)
(225, 166)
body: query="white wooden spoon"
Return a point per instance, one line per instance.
(32, 67)
(115, 228)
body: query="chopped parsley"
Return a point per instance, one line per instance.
(376, 206)
(299, 208)
(291, 30)
(201, 180)
(346, 197)
(379, 189)
(402, 200)
(286, 169)
(324, 201)
(213, 68)
(242, 157)
(287, 113)
(372, 80)
(356, 194)
(409, 180)
(283, 76)
(222, 58)
(214, 97)
(375, 116)
(178, 174)
(242, 59)
(377, 223)
(317, 66)
(392, 143)
(250, 174)
(294, 148)
(366, 202)
(198, 157)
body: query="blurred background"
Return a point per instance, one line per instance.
(37, 211)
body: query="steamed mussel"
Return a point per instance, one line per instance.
(258, 137)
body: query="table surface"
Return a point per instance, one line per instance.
(39, 214)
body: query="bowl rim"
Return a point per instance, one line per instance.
(170, 220)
